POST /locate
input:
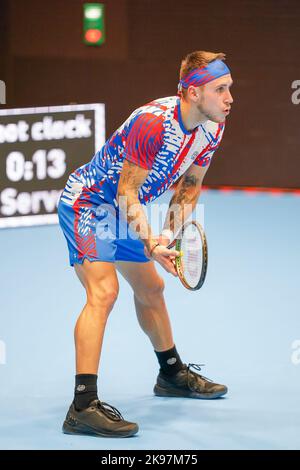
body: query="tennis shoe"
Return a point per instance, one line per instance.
(187, 383)
(99, 419)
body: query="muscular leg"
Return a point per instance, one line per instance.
(87, 414)
(173, 379)
(149, 301)
(101, 284)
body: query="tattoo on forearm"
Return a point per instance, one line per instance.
(190, 181)
(130, 181)
(183, 202)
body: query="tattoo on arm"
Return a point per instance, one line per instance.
(131, 179)
(190, 181)
(183, 202)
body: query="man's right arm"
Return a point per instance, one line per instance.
(131, 179)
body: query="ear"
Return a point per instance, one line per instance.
(194, 94)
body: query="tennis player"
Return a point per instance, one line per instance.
(101, 214)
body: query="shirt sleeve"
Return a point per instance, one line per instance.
(205, 156)
(144, 140)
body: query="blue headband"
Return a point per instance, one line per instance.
(200, 76)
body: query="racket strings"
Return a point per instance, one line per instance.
(191, 245)
(193, 259)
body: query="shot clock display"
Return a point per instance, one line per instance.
(39, 148)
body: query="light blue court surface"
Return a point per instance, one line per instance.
(244, 324)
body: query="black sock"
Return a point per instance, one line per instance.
(169, 361)
(85, 390)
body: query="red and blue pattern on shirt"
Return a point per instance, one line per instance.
(154, 138)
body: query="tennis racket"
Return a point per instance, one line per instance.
(191, 265)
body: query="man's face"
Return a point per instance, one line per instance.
(215, 99)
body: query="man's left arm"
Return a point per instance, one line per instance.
(184, 200)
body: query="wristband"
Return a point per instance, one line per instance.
(153, 248)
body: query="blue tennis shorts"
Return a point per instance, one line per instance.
(98, 233)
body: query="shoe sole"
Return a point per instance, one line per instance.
(176, 393)
(86, 430)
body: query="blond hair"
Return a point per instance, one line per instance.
(195, 60)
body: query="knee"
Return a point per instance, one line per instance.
(150, 295)
(102, 298)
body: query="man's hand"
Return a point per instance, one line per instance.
(166, 237)
(163, 239)
(166, 258)
(163, 255)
